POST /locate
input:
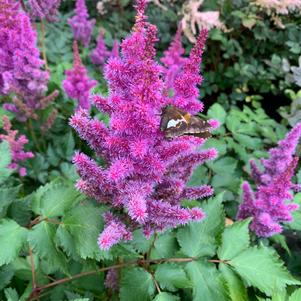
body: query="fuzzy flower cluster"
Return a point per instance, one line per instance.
(101, 54)
(16, 146)
(144, 178)
(173, 59)
(280, 7)
(82, 27)
(20, 64)
(77, 84)
(271, 204)
(44, 9)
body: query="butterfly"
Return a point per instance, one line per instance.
(176, 122)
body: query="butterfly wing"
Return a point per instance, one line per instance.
(199, 127)
(176, 122)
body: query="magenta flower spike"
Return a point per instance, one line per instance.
(115, 50)
(144, 178)
(100, 54)
(82, 27)
(77, 84)
(16, 146)
(44, 9)
(20, 64)
(271, 205)
(173, 59)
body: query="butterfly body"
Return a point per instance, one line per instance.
(176, 122)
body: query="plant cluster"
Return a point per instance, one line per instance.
(134, 214)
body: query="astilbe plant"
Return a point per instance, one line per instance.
(44, 9)
(193, 18)
(77, 84)
(271, 204)
(100, 54)
(20, 64)
(173, 59)
(82, 27)
(280, 7)
(16, 146)
(144, 178)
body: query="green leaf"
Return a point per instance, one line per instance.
(166, 297)
(216, 111)
(224, 165)
(6, 274)
(55, 198)
(235, 287)
(235, 239)
(206, 282)
(5, 156)
(136, 284)
(296, 223)
(198, 239)
(81, 299)
(262, 268)
(140, 242)
(7, 196)
(12, 238)
(5, 159)
(171, 276)
(11, 294)
(166, 245)
(41, 240)
(296, 295)
(84, 224)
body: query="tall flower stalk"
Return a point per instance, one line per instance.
(271, 204)
(82, 27)
(16, 145)
(21, 69)
(77, 84)
(144, 178)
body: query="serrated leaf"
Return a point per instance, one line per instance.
(296, 295)
(11, 294)
(235, 239)
(166, 297)
(84, 224)
(262, 268)
(198, 239)
(140, 242)
(7, 196)
(165, 245)
(41, 240)
(216, 111)
(235, 287)
(12, 238)
(206, 282)
(5, 159)
(136, 284)
(6, 274)
(55, 198)
(171, 276)
(5, 156)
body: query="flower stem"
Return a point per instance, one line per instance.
(43, 44)
(138, 262)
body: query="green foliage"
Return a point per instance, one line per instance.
(171, 277)
(47, 226)
(136, 284)
(12, 239)
(5, 159)
(207, 284)
(235, 239)
(199, 239)
(250, 264)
